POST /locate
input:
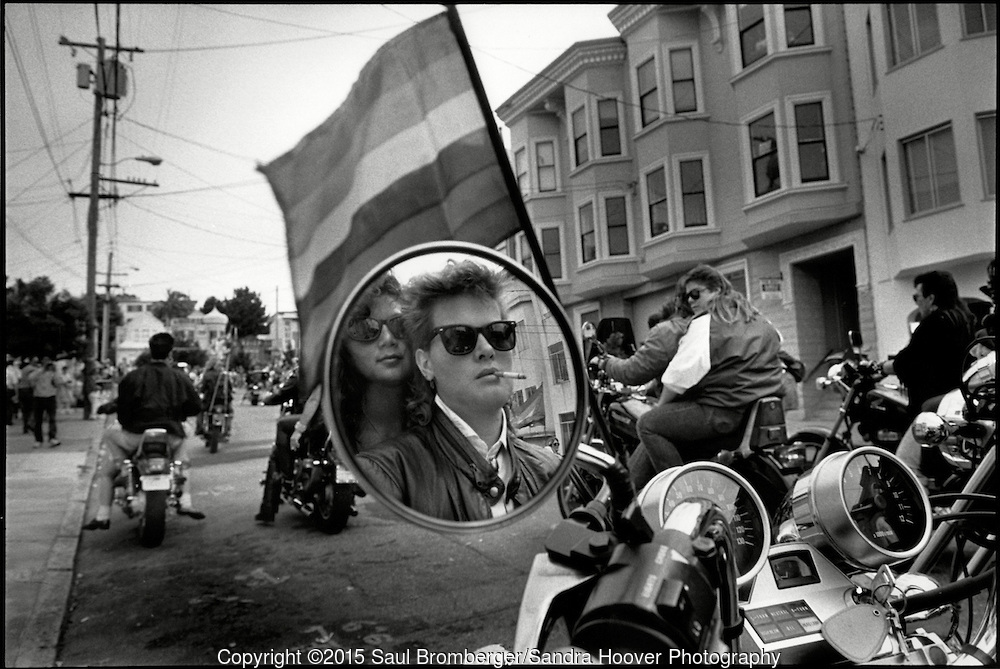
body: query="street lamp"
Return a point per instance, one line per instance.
(152, 160)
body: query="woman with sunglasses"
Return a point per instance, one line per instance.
(462, 461)
(725, 362)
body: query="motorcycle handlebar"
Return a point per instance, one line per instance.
(946, 594)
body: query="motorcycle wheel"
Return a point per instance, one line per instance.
(272, 489)
(332, 506)
(153, 524)
(212, 441)
(579, 488)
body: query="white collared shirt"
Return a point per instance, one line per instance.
(497, 455)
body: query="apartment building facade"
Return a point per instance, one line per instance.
(721, 134)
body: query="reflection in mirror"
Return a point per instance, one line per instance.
(458, 388)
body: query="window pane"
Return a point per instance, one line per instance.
(902, 33)
(682, 74)
(974, 22)
(681, 64)
(617, 226)
(552, 251)
(684, 97)
(695, 214)
(812, 162)
(809, 121)
(753, 37)
(988, 147)
(648, 102)
(764, 150)
(656, 191)
(693, 193)
(526, 258)
(588, 240)
(607, 111)
(545, 160)
(813, 165)
(545, 153)
(945, 167)
(580, 136)
(521, 169)
(692, 178)
(918, 175)
(546, 179)
(927, 26)
(798, 25)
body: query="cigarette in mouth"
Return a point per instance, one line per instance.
(510, 375)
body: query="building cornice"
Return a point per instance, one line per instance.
(581, 55)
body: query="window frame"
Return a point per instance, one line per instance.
(892, 41)
(620, 113)
(782, 26)
(556, 353)
(779, 138)
(982, 13)
(678, 189)
(985, 161)
(647, 219)
(590, 201)
(740, 31)
(575, 139)
(911, 211)
(825, 99)
(606, 228)
(523, 251)
(699, 99)
(639, 95)
(558, 227)
(525, 173)
(536, 168)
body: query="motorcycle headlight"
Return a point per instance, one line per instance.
(930, 428)
(795, 457)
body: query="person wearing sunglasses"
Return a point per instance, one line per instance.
(374, 375)
(725, 362)
(463, 460)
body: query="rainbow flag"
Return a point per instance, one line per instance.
(406, 159)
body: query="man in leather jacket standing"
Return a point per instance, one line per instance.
(154, 395)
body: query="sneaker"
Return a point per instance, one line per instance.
(96, 524)
(53, 443)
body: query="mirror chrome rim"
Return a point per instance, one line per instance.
(576, 363)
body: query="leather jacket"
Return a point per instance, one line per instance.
(435, 471)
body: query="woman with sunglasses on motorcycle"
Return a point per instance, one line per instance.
(725, 362)
(462, 461)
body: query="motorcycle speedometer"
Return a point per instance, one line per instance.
(866, 506)
(735, 497)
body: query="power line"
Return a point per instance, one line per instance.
(200, 229)
(191, 141)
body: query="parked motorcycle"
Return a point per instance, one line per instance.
(147, 483)
(876, 410)
(307, 478)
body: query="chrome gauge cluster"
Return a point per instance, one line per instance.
(865, 505)
(730, 492)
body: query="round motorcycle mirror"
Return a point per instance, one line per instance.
(458, 391)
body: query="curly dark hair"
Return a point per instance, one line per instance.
(421, 294)
(350, 385)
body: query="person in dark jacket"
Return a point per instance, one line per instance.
(931, 364)
(155, 395)
(462, 461)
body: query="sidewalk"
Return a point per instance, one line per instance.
(45, 498)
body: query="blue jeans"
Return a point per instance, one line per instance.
(679, 432)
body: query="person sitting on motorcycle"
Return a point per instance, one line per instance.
(153, 395)
(655, 353)
(725, 362)
(215, 390)
(462, 461)
(376, 367)
(931, 364)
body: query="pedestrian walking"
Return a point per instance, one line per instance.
(45, 385)
(25, 393)
(13, 374)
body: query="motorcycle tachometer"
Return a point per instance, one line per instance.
(730, 492)
(864, 504)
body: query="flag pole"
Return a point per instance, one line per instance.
(498, 148)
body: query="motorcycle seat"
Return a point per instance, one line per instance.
(286, 424)
(762, 426)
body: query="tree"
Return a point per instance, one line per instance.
(40, 323)
(246, 313)
(177, 305)
(210, 303)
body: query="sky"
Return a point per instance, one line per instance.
(216, 91)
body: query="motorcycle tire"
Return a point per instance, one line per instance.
(272, 490)
(212, 442)
(153, 524)
(332, 506)
(578, 489)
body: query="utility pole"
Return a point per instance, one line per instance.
(106, 312)
(100, 92)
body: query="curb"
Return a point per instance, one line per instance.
(40, 640)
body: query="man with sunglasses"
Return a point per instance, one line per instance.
(462, 461)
